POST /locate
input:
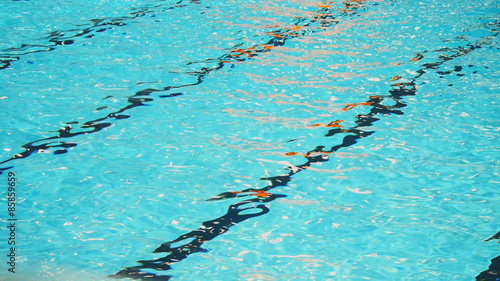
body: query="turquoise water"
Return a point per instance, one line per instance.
(128, 124)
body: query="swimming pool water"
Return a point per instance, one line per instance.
(360, 135)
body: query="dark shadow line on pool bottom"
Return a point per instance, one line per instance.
(493, 271)
(61, 38)
(140, 97)
(208, 231)
(213, 228)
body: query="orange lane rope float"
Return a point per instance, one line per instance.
(253, 51)
(261, 193)
(235, 194)
(309, 154)
(249, 52)
(329, 125)
(373, 100)
(417, 57)
(353, 105)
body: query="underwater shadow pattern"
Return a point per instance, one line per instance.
(322, 18)
(58, 38)
(213, 228)
(493, 271)
(249, 208)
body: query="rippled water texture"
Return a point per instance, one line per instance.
(250, 140)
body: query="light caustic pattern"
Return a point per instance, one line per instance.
(324, 17)
(256, 203)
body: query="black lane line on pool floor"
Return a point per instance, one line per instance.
(323, 17)
(236, 212)
(67, 37)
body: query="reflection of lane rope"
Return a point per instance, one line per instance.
(323, 17)
(213, 228)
